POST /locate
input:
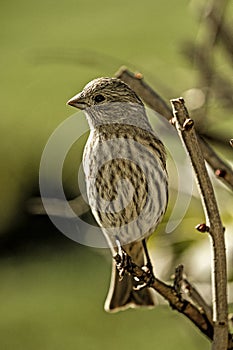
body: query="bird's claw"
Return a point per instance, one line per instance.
(122, 262)
(143, 276)
(122, 259)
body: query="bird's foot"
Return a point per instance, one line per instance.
(143, 276)
(123, 262)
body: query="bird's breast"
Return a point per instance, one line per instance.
(126, 180)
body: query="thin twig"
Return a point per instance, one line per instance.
(209, 30)
(220, 168)
(207, 38)
(56, 207)
(154, 101)
(225, 34)
(222, 86)
(187, 291)
(186, 132)
(142, 89)
(198, 300)
(178, 278)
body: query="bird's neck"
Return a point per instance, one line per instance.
(118, 113)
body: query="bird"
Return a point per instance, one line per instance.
(126, 179)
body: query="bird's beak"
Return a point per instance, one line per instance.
(77, 101)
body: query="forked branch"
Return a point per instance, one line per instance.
(190, 309)
(185, 128)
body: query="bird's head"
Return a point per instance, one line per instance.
(110, 101)
(104, 91)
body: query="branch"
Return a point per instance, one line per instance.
(220, 168)
(55, 206)
(183, 286)
(209, 30)
(208, 36)
(171, 293)
(221, 85)
(184, 126)
(195, 314)
(225, 34)
(142, 89)
(198, 300)
(196, 310)
(155, 102)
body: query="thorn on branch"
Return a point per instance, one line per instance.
(220, 173)
(188, 124)
(202, 228)
(138, 75)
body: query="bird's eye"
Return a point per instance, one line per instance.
(99, 98)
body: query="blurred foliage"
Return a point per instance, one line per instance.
(52, 290)
(50, 50)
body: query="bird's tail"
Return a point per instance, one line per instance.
(122, 294)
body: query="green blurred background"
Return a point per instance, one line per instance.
(52, 290)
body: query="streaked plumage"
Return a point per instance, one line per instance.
(125, 170)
